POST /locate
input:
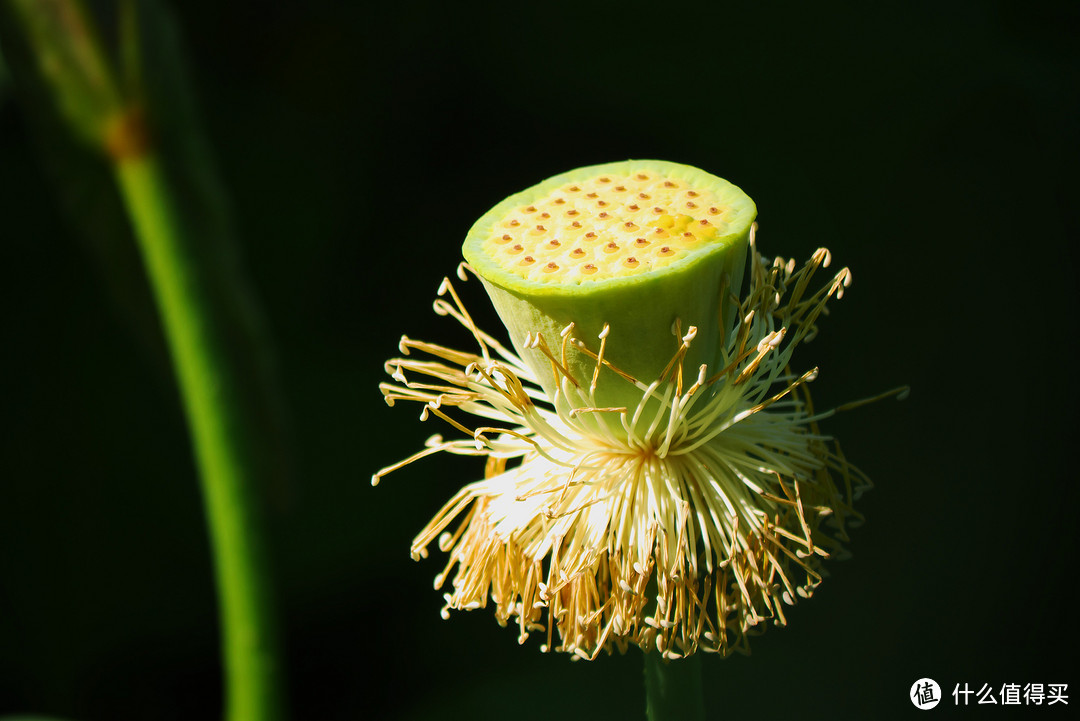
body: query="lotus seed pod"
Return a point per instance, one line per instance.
(643, 248)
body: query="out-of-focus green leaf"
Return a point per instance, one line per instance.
(65, 45)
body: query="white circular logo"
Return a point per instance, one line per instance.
(925, 694)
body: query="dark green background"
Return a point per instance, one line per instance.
(931, 146)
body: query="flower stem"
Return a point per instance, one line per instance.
(184, 281)
(673, 689)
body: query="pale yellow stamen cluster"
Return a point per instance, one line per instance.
(608, 226)
(680, 525)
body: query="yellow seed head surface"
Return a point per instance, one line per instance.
(607, 226)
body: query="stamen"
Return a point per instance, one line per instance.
(713, 501)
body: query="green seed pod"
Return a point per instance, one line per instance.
(643, 248)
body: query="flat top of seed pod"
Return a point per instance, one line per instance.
(617, 223)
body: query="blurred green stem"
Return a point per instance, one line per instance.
(209, 324)
(207, 379)
(673, 689)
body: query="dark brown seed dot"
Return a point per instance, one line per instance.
(691, 193)
(540, 229)
(620, 188)
(642, 176)
(704, 221)
(658, 210)
(515, 223)
(602, 215)
(571, 212)
(506, 236)
(605, 180)
(530, 209)
(591, 195)
(554, 243)
(545, 215)
(551, 266)
(528, 259)
(641, 242)
(629, 225)
(574, 189)
(643, 196)
(691, 204)
(577, 252)
(632, 207)
(590, 268)
(611, 247)
(602, 203)
(576, 224)
(590, 234)
(559, 201)
(669, 184)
